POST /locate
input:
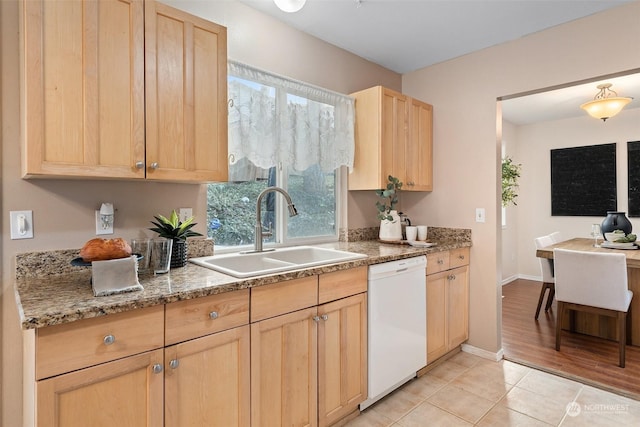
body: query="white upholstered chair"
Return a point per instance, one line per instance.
(594, 282)
(546, 268)
(556, 237)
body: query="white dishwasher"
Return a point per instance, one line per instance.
(397, 323)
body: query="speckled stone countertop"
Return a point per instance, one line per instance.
(61, 296)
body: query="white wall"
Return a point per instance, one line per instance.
(534, 144)
(467, 151)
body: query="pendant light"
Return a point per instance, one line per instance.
(605, 104)
(290, 6)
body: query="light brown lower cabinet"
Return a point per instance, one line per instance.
(123, 392)
(342, 358)
(201, 362)
(309, 366)
(207, 380)
(447, 302)
(284, 370)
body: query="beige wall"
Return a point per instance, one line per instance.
(466, 153)
(534, 143)
(510, 238)
(63, 210)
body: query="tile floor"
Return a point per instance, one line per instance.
(467, 390)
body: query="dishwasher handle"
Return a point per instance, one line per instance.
(386, 269)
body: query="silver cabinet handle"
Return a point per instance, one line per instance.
(174, 363)
(440, 261)
(324, 317)
(213, 315)
(108, 339)
(461, 256)
(154, 165)
(157, 368)
(139, 165)
(316, 318)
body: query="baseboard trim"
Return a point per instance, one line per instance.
(467, 348)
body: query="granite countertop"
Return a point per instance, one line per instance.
(48, 300)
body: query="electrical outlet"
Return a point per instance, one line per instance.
(101, 226)
(21, 223)
(184, 214)
(480, 215)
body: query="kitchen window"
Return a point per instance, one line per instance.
(288, 134)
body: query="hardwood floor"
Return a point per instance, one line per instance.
(587, 359)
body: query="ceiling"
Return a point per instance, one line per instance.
(406, 35)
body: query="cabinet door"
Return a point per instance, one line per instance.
(342, 358)
(458, 310)
(186, 96)
(395, 135)
(104, 395)
(419, 155)
(436, 315)
(207, 381)
(284, 373)
(83, 88)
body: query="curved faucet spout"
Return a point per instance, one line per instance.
(259, 234)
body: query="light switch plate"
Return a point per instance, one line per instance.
(21, 223)
(480, 215)
(184, 214)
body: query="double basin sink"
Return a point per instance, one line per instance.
(252, 264)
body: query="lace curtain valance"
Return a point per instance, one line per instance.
(274, 121)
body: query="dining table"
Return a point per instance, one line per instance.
(593, 324)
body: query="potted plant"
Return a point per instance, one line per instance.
(510, 175)
(178, 231)
(390, 225)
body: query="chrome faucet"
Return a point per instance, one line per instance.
(259, 234)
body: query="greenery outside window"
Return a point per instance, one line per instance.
(280, 134)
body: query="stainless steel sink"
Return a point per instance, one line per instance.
(260, 263)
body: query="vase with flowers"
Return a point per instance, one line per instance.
(178, 231)
(390, 224)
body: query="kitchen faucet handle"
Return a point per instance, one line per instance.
(269, 230)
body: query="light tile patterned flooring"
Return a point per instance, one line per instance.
(467, 390)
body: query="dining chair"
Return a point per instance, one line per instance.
(556, 237)
(548, 281)
(593, 282)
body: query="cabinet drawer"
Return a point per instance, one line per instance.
(198, 317)
(437, 262)
(458, 257)
(341, 284)
(284, 297)
(76, 345)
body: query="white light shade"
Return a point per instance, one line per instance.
(106, 209)
(605, 108)
(290, 5)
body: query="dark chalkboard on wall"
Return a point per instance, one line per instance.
(633, 171)
(583, 181)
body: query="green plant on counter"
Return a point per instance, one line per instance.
(173, 228)
(390, 196)
(510, 175)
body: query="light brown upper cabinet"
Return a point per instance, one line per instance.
(86, 88)
(394, 136)
(186, 96)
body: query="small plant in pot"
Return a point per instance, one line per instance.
(390, 226)
(178, 231)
